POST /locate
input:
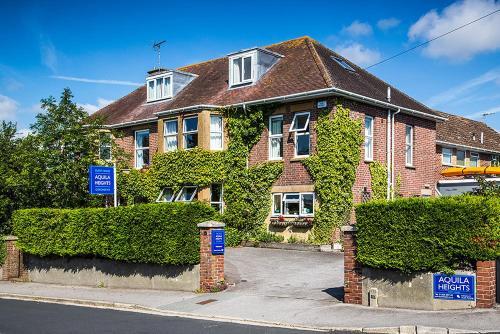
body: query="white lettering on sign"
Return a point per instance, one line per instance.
(454, 283)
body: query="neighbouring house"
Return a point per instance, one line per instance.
(178, 110)
(462, 142)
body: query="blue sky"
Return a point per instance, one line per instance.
(105, 46)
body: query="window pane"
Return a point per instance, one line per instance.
(461, 158)
(291, 208)
(368, 148)
(166, 88)
(409, 157)
(166, 195)
(187, 193)
(105, 152)
(277, 204)
(191, 124)
(142, 139)
(474, 160)
(276, 126)
(171, 127)
(409, 134)
(248, 68)
(216, 141)
(216, 132)
(142, 158)
(151, 89)
(171, 143)
(302, 144)
(216, 193)
(159, 88)
(276, 148)
(191, 140)
(237, 70)
(215, 123)
(300, 122)
(447, 156)
(368, 126)
(307, 204)
(292, 197)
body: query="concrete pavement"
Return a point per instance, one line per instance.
(267, 292)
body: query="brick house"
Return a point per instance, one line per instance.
(177, 109)
(462, 142)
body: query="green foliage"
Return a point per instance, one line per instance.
(137, 186)
(234, 238)
(9, 168)
(486, 188)
(333, 168)
(149, 233)
(262, 235)
(3, 251)
(434, 234)
(378, 172)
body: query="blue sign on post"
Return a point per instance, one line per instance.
(101, 180)
(218, 242)
(454, 287)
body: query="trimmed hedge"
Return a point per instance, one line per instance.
(3, 251)
(148, 233)
(428, 234)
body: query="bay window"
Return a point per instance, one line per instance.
(368, 138)
(190, 130)
(216, 132)
(300, 126)
(276, 137)
(293, 204)
(216, 197)
(141, 148)
(409, 145)
(474, 159)
(170, 135)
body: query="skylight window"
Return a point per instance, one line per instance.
(344, 64)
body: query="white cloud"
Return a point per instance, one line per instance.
(8, 108)
(386, 24)
(92, 108)
(460, 91)
(359, 54)
(21, 133)
(358, 29)
(98, 81)
(479, 37)
(48, 53)
(487, 112)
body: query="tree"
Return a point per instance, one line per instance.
(8, 169)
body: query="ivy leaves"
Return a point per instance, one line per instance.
(333, 169)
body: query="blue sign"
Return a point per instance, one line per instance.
(218, 242)
(454, 287)
(101, 180)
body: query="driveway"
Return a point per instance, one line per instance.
(285, 273)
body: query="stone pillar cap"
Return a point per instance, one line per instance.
(210, 224)
(348, 228)
(10, 238)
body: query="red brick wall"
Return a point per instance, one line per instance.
(353, 288)
(13, 267)
(484, 161)
(211, 266)
(486, 284)
(127, 142)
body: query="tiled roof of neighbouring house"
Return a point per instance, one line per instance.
(466, 132)
(306, 66)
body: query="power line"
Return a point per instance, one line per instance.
(433, 39)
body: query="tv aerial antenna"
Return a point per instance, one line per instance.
(157, 47)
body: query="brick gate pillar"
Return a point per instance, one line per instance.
(211, 265)
(352, 269)
(13, 267)
(486, 284)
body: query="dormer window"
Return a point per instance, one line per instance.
(159, 87)
(241, 69)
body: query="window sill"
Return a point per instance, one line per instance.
(410, 167)
(275, 159)
(299, 158)
(368, 160)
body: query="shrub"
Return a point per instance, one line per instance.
(3, 251)
(148, 233)
(435, 234)
(233, 237)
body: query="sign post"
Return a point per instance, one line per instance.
(102, 181)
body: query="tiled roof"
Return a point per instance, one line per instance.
(461, 131)
(306, 66)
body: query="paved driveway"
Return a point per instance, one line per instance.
(285, 273)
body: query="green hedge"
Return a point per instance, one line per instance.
(3, 251)
(435, 234)
(148, 233)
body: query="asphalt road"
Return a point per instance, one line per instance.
(34, 317)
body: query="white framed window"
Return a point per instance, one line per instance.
(216, 197)
(276, 137)
(187, 194)
(368, 138)
(241, 69)
(495, 160)
(141, 148)
(300, 126)
(293, 204)
(474, 159)
(166, 195)
(460, 158)
(170, 132)
(277, 204)
(159, 87)
(409, 145)
(216, 132)
(446, 154)
(190, 132)
(105, 144)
